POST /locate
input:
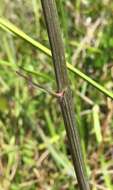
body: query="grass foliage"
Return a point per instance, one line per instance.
(34, 152)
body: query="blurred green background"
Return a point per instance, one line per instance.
(34, 151)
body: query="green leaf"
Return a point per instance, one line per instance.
(97, 127)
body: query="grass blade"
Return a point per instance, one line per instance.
(97, 127)
(8, 26)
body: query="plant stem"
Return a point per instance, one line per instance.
(43, 88)
(66, 103)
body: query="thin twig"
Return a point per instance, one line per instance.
(43, 88)
(66, 103)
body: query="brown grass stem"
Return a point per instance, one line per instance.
(66, 102)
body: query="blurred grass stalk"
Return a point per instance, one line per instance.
(64, 91)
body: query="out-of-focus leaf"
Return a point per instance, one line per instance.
(96, 122)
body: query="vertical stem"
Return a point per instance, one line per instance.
(65, 101)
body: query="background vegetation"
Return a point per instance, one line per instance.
(34, 152)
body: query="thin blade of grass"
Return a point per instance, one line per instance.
(107, 177)
(58, 157)
(96, 121)
(11, 27)
(8, 26)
